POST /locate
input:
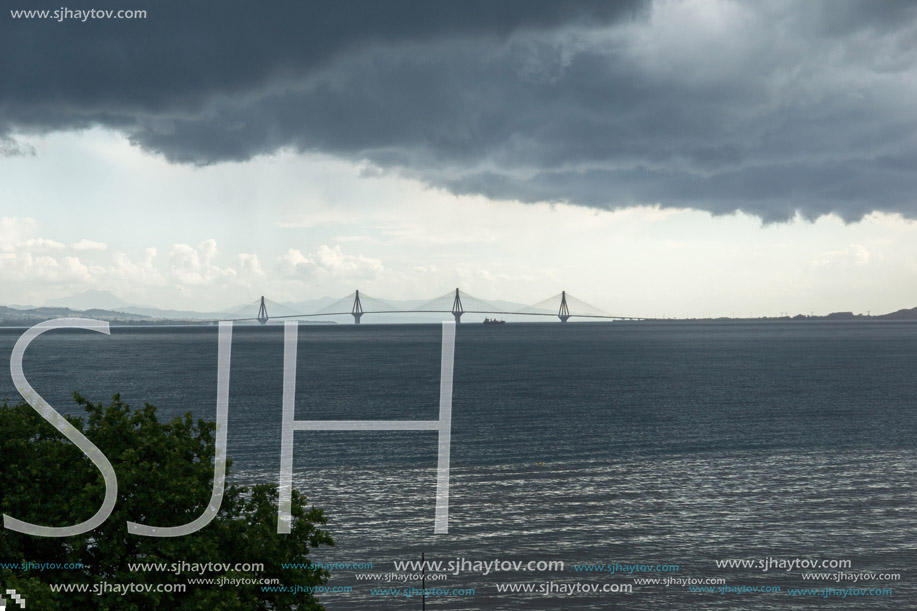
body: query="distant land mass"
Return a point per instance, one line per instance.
(89, 300)
(13, 317)
(908, 314)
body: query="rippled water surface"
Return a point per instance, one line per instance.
(588, 443)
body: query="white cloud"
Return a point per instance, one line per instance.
(77, 271)
(85, 244)
(249, 265)
(855, 255)
(25, 266)
(290, 262)
(333, 261)
(14, 230)
(143, 273)
(195, 266)
(328, 262)
(41, 244)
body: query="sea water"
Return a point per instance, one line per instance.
(641, 445)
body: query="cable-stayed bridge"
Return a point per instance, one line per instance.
(458, 303)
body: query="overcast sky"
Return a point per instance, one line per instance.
(652, 158)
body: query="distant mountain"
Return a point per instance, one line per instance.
(509, 306)
(310, 306)
(14, 317)
(103, 300)
(178, 314)
(106, 300)
(910, 314)
(315, 305)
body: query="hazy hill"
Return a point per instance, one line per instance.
(910, 314)
(87, 300)
(14, 317)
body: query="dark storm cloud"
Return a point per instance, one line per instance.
(768, 108)
(188, 50)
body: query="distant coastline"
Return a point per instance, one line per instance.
(18, 317)
(15, 317)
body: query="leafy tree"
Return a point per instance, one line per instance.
(165, 476)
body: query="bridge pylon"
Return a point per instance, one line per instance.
(457, 309)
(357, 310)
(262, 312)
(563, 313)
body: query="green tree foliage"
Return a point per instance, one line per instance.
(165, 476)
